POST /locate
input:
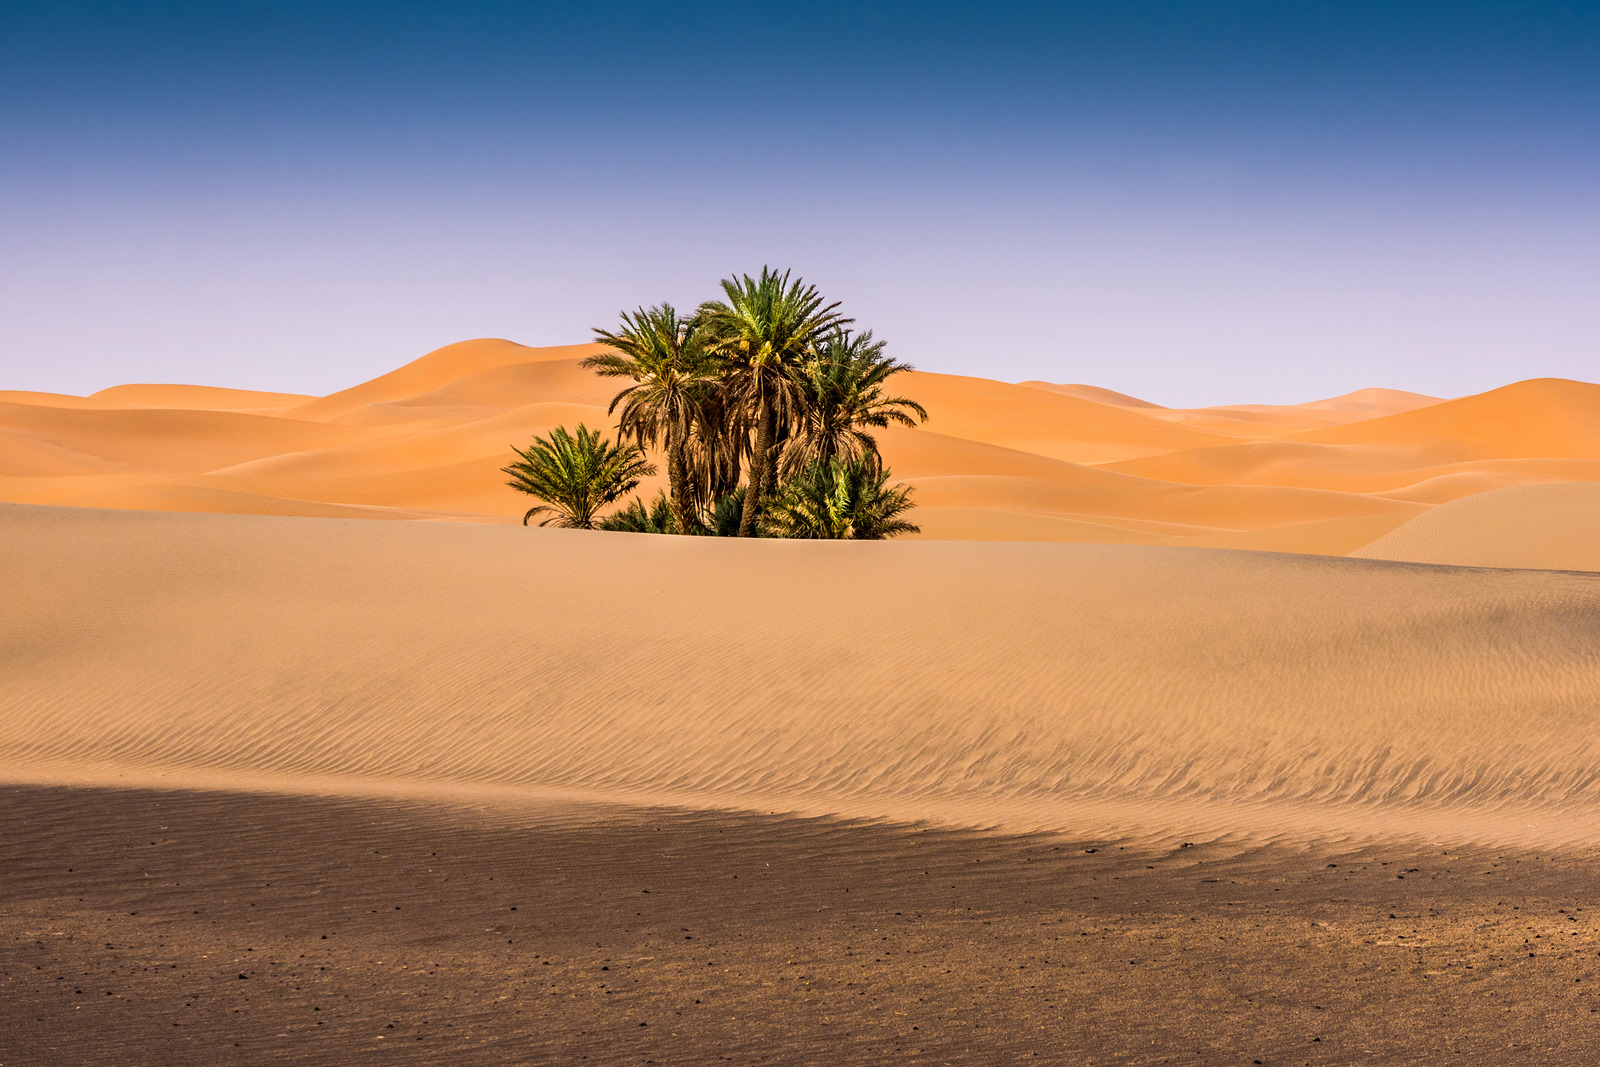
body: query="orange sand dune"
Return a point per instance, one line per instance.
(1096, 393)
(195, 397)
(1034, 461)
(1253, 419)
(1543, 418)
(1039, 421)
(436, 370)
(1554, 526)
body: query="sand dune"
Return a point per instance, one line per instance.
(310, 790)
(307, 790)
(1252, 420)
(195, 398)
(995, 462)
(1081, 687)
(1096, 393)
(433, 371)
(1034, 461)
(1544, 418)
(1554, 526)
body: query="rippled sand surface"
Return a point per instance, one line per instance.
(1087, 688)
(299, 789)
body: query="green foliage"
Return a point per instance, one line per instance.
(764, 405)
(766, 326)
(836, 500)
(637, 518)
(726, 515)
(763, 332)
(674, 379)
(576, 475)
(842, 397)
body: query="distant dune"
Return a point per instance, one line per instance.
(1034, 461)
(1554, 526)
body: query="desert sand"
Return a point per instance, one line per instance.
(1120, 763)
(1554, 526)
(1029, 462)
(551, 794)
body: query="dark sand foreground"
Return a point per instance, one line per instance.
(203, 928)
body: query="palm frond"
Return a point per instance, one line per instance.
(842, 398)
(637, 517)
(837, 500)
(576, 475)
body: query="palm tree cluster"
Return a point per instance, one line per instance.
(761, 405)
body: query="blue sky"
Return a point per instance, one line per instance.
(1192, 202)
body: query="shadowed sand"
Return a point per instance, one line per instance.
(479, 794)
(196, 928)
(996, 461)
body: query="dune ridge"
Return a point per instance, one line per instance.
(1555, 526)
(1144, 689)
(1032, 461)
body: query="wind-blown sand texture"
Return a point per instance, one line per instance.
(298, 790)
(1034, 462)
(278, 787)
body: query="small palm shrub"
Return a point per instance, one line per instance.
(726, 515)
(657, 518)
(575, 475)
(836, 500)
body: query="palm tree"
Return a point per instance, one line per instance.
(723, 520)
(576, 476)
(763, 331)
(637, 517)
(842, 499)
(716, 454)
(842, 391)
(673, 375)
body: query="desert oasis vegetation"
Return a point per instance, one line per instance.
(800, 534)
(768, 387)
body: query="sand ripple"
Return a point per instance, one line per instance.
(1045, 686)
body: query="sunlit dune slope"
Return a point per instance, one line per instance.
(995, 461)
(1096, 393)
(1361, 404)
(434, 371)
(1543, 418)
(1082, 687)
(195, 398)
(1554, 526)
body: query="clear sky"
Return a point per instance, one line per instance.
(1195, 202)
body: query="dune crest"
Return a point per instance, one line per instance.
(1032, 461)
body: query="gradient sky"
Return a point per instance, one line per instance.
(1192, 202)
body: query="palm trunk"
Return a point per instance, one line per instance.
(775, 462)
(678, 482)
(758, 473)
